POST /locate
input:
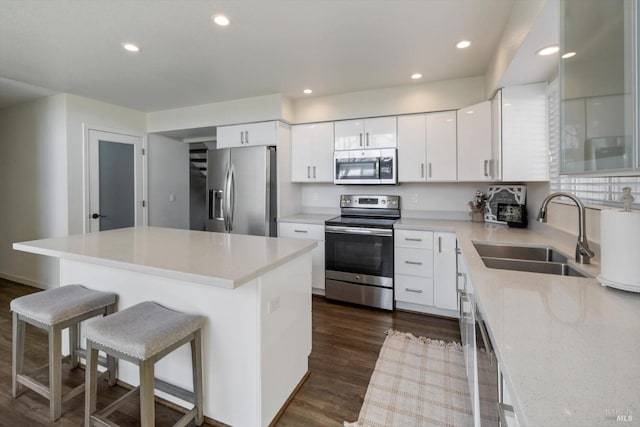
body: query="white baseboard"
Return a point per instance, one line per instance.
(317, 291)
(401, 305)
(24, 281)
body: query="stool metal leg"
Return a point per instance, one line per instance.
(147, 409)
(18, 353)
(196, 362)
(55, 372)
(90, 383)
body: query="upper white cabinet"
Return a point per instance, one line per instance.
(312, 152)
(380, 132)
(427, 147)
(441, 146)
(475, 153)
(525, 147)
(246, 135)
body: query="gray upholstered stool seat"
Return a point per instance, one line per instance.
(143, 334)
(55, 310)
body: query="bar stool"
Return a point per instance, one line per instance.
(143, 334)
(54, 310)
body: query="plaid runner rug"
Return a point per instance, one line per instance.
(416, 382)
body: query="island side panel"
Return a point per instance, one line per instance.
(285, 321)
(230, 336)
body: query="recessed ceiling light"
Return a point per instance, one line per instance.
(548, 50)
(307, 91)
(568, 55)
(416, 76)
(470, 112)
(130, 47)
(463, 44)
(221, 20)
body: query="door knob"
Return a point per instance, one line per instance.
(97, 215)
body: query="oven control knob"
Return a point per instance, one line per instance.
(357, 277)
(383, 201)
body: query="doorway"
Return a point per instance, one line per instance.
(115, 172)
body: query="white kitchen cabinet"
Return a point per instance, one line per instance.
(312, 152)
(412, 148)
(427, 147)
(246, 135)
(420, 283)
(475, 152)
(296, 230)
(525, 146)
(444, 271)
(441, 146)
(496, 136)
(379, 132)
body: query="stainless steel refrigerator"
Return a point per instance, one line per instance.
(241, 196)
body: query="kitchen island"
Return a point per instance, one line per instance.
(254, 291)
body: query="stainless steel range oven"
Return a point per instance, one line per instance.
(359, 251)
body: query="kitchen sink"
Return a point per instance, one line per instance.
(533, 266)
(530, 253)
(533, 259)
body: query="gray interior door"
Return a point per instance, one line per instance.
(117, 185)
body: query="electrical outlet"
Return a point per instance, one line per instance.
(414, 198)
(316, 196)
(172, 197)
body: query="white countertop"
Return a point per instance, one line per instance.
(304, 218)
(219, 259)
(568, 347)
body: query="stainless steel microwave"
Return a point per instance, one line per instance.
(365, 166)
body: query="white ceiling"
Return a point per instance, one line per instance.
(271, 46)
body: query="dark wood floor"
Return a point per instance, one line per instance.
(346, 342)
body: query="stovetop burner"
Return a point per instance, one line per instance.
(373, 211)
(361, 221)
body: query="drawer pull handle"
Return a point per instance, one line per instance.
(417, 291)
(413, 262)
(412, 239)
(300, 231)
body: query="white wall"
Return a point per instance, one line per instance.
(415, 98)
(33, 184)
(168, 169)
(260, 108)
(83, 114)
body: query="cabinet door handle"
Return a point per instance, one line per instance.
(308, 171)
(300, 231)
(486, 164)
(413, 262)
(314, 172)
(439, 244)
(429, 169)
(241, 137)
(246, 136)
(417, 291)
(360, 140)
(412, 239)
(367, 139)
(421, 170)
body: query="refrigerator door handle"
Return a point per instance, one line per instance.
(232, 197)
(225, 202)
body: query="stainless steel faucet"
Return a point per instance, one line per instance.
(583, 253)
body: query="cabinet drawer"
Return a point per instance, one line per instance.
(417, 290)
(414, 239)
(296, 230)
(414, 262)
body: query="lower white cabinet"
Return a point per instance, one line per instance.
(425, 271)
(295, 230)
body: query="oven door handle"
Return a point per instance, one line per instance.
(359, 230)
